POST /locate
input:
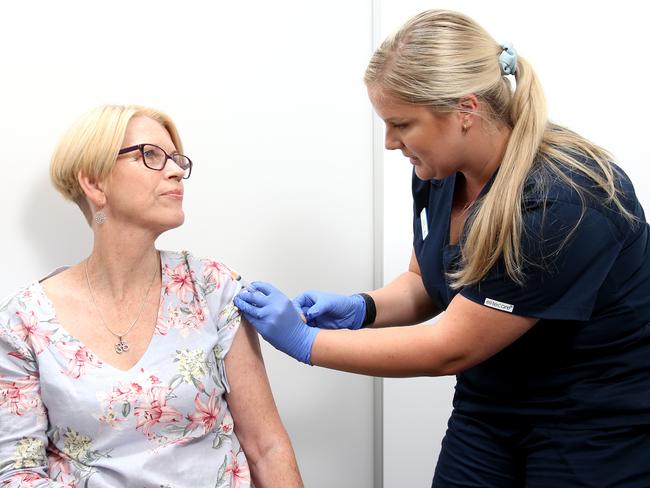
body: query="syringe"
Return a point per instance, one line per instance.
(237, 277)
(251, 289)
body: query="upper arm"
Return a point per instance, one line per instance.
(470, 333)
(423, 303)
(567, 254)
(414, 266)
(568, 251)
(404, 300)
(248, 393)
(257, 422)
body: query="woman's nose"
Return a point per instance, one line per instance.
(391, 142)
(173, 170)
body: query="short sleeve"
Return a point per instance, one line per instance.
(568, 251)
(226, 316)
(216, 285)
(23, 442)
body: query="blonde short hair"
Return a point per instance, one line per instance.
(90, 146)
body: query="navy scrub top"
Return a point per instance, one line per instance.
(587, 361)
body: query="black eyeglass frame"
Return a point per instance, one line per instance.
(140, 147)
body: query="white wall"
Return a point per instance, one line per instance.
(269, 101)
(591, 59)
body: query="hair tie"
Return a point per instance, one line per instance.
(508, 59)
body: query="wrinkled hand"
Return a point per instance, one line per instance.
(277, 320)
(330, 311)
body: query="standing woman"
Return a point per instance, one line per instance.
(532, 242)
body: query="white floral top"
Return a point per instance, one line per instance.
(69, 420)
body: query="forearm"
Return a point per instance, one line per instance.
(390, 352)
(275, 466)
(403, 301)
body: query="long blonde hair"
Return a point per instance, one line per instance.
(440, 56)
(91, 144)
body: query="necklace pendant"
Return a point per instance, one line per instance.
(121, 346)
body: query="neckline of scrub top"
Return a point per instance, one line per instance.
(450, 203)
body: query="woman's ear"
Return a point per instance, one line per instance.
(467, 109)
(93, 189)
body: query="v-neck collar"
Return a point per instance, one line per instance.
(450, 203)
(48, 307)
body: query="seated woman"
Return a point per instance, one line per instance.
(133, 367)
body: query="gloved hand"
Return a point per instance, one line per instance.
(330, 311)
(277, 320)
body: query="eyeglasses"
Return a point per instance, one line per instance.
(156, 158)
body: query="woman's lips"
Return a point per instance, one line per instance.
(174, 194)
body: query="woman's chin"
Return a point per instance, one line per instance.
(172, 222)
(424, 173)
(178, 222)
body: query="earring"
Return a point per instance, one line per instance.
(465, 128)
(100, 217)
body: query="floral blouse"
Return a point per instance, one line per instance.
(67, 419)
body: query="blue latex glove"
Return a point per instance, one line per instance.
(277, 320)
(330, 311)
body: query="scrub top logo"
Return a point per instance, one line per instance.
(506, 307)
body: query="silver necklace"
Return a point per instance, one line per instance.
(121, 345)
